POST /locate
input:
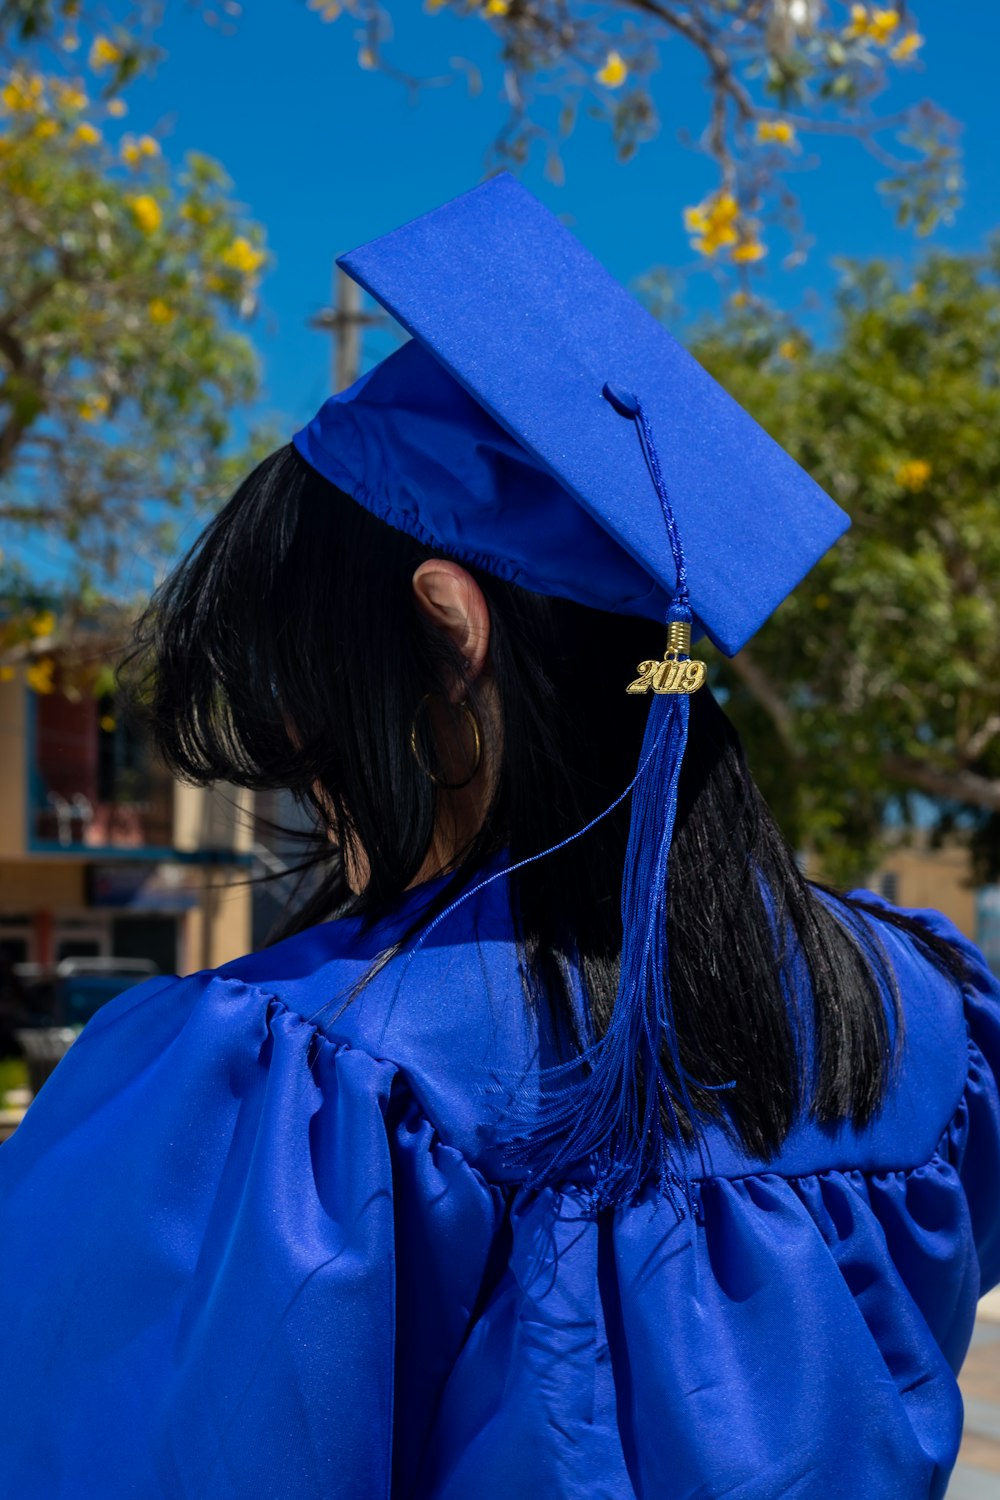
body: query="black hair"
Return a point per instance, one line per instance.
(287, 651)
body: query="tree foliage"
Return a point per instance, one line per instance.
(878, 682)
(781, 75)
(122, 284)
(879, 679)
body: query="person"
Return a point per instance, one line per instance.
(569, 1142)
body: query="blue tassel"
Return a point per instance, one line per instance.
(591, 1110)
(613, 1108)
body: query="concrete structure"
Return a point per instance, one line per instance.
(918, 875)
(977, 1476)
(102, 854)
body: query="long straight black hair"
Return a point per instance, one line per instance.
(287, 651)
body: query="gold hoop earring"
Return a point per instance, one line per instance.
(477, 753)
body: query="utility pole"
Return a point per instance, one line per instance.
(345, 320)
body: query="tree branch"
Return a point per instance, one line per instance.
(950, 786)
(977, 742)
(714, 54)
(763, 690)
(35, 515)
(11, 434)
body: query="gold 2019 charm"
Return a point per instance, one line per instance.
(676, 673)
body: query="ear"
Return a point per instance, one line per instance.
(453, 601)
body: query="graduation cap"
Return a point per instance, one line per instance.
(542, 425)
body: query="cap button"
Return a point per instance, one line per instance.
(625, 402)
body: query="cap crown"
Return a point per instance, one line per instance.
(508, 304)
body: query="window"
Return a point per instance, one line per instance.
(122, 765)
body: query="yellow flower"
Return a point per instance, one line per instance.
(714, 222)
(103, 54)
(22, 93)
(877, 25)
(107, 723)
(907, 47)
(748, 250)
(93, 407)
(913, 474)
(70, 42)
(241, 255)
(777, 131)
(435, 5)
(69, 97)
(882, 25)
(133, 151)
(789, 349)
(147, 212)
(214, 282)
(496, 7)
(87, 134)
(160, 311)
(723, 208)
(367, 58)
(7, 674)
(739, 299)
(39, 674)
(43, 624)
(716, 239)
(614, 72)
(43, 129)
(329, 10)
(117, 108)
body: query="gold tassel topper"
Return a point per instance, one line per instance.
(676, 673)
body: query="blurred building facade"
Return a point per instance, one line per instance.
(919, 874)
(922, 872)
(102, 853)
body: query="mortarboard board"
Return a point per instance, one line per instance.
(542, 425)
(517, 329)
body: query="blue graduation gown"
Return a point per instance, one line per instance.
(254, 1243)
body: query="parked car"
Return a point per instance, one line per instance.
(83, 985)
(60, 1002)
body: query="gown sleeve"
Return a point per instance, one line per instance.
(222, 1235)
(975, 1130)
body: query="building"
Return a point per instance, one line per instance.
(919, 874)
(102, 853)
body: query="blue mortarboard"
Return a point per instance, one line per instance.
(542, 425)
(489, 435)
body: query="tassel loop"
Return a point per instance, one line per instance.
(678, 638)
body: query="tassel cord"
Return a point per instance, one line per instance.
(590, 1108)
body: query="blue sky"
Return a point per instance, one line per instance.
(327, 155)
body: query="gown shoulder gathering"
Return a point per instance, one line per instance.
(256, 1244)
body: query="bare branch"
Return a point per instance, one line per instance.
(713, 52)
(947, 785)
(978, 742)
(763, 690)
